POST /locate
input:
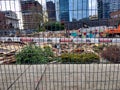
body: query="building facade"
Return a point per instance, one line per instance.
(32, 14)
(105, 7)
(115, 17)
(8, 20)
(2, 21)
(45, 16)
(70, 10)
(100, 8)
(64, 10)
(114, 5)
(79, 9)
(51, 10)
(115, 14)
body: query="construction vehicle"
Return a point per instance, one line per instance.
(113, 32)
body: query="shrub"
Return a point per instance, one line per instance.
(41, 29)
(99, 48)
(48, 53)
(34, 55)
(112, 53)
(54, 26)
(79, 58)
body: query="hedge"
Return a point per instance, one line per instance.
(80, 58)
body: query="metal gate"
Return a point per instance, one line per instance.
(59, 45)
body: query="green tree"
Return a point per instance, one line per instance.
(54, 26)
(41, 29)
(34, 55)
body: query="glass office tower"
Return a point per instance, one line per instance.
(69, 10)
(64, 10)
(79, 9)
(105, 7)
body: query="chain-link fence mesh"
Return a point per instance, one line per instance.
(59, 44)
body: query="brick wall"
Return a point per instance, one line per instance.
(31, 12)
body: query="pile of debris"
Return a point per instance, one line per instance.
(7, 52)
(7, 57)
(61, 48)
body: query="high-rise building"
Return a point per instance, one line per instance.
(105, 7)
(79, 9)
(114, 5)
(57, 10)
(64, 10)
(32, 14)
(100, 8)
(51, 10)
(69, 10)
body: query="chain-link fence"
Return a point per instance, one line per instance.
(59, 45)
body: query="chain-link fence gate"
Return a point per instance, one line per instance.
(59, 45)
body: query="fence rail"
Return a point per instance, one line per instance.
(58, 40)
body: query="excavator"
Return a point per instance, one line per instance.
(113, 32)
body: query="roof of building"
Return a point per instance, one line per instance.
(30, 2)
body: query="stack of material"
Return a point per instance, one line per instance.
(7, 52)
(7, 57)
